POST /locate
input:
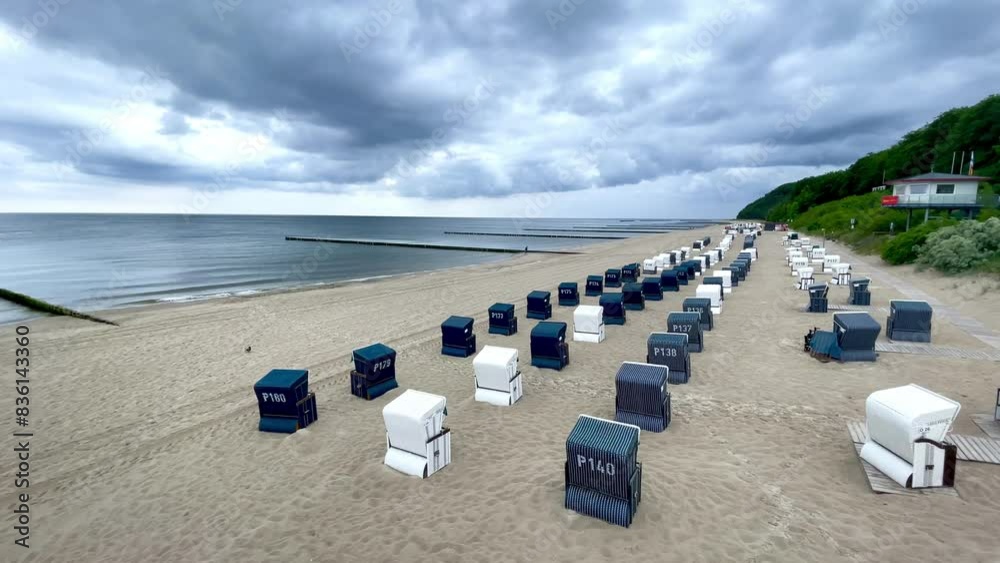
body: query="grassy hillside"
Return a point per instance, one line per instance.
(975, 128)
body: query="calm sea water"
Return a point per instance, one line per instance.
(91, 262)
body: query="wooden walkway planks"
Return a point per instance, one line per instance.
(986, 423)
(970, 448)
(937, 351)
(877, 480)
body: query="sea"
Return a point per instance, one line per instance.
(92, 262)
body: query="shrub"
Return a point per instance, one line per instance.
(902, 249)
(967, 245)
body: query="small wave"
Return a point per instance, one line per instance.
(188, 298)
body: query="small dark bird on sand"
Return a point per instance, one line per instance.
(248, 349)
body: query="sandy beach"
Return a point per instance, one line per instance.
(147, 446)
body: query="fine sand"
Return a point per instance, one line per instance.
(147, 447)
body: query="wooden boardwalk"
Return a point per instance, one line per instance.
(427, 245)
(970, 448)
(923, 349)
(986, 423)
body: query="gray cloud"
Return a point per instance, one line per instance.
(696, 90)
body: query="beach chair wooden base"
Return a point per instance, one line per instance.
(879, 483)
(970, 448)
(986, 423)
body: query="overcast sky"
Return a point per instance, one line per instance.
(503, 107)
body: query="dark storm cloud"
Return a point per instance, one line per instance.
(381, 92)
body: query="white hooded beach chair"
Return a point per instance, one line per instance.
(418, 442)
(829, 261)
(805, 278)
(907, 428)
(649, 266)
(727, 279)
(498, 381)
(798, 263)
(588, 324)
(841, 274)
(713, 292)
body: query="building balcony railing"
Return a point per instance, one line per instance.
(935, 200)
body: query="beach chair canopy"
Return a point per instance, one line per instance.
(546, 338)
(494, 367)
(602, 455)
(632, 294)
(280, 392)
(506, 310)
(650, 285)
(709, 292)
(911, 315)
(669, 349)
(714, 280)
(595, 282)
(856, 330)
(613, 305)
(641, 395)
(292, 381)
(588, 318)
(860, 284)
(818, 290)
(413, 418)
(375, 361)
(539, 298)
(900, 416)
(688, 323)
(456, 328)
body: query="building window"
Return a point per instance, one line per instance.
(918, 189)
(946, 188)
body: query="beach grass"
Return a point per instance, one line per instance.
(30, 302)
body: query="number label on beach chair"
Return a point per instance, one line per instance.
(685, 329)
(384, 364)
(599, 466)
(665, 352)
(273, 397)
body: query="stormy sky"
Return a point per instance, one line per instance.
(583, 108)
